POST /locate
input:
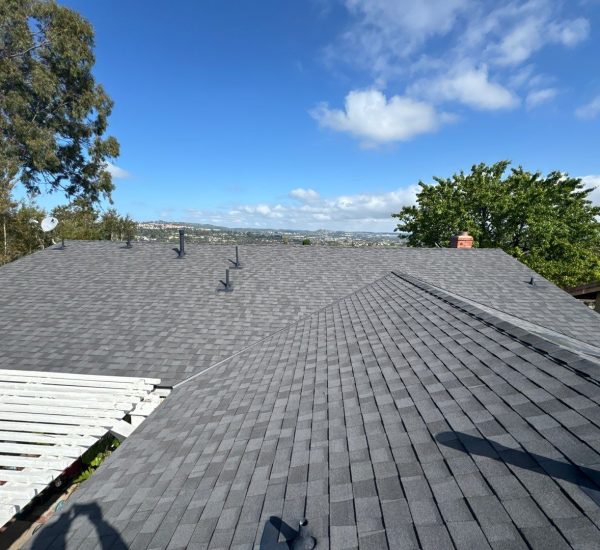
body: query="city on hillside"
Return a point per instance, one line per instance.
(164, 231)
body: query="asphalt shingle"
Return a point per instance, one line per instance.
(403, 410)
(98, 308)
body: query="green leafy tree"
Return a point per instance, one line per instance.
(78, 220)
(25, 233)
(111, 224)
(7, 206)
(53, 114)
(117, 227)
(547, 222)
(127, 228)
(21, 231)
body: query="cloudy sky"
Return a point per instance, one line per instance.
(326, 113)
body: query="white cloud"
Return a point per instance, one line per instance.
(531, 29)
(261, 210)
(369, 115)
(384, 35)
(589, 110)
(117, 172)
(418, 19)
(519, 44)
(386, 31)
(537, 97)
(363, 211)
(570, 33)
(408, 47)
(593, 181)
(471, 87)
(304, 194)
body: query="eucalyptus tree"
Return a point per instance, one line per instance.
(53, 113)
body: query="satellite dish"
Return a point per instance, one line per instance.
(48, 224)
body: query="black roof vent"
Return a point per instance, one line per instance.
(227, 284)
(181, 250)
(237, 264)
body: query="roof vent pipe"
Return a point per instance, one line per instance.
(227, 284)
(237, 264)
(128, 243)
(303, 540)
(181, 249)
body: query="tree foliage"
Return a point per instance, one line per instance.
(53, 114)
(547, 222)
(79, 220)
(20, 225)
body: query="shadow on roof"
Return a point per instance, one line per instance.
(275, 528)
(54, 535)
(585, 478)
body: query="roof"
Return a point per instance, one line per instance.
(100, 308)
(396, 416)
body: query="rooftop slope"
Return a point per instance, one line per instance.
(390, 418)
(98, 308)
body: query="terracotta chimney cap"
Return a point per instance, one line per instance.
(462, 240)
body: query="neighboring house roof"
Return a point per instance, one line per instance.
(99, 308)
(368, 397)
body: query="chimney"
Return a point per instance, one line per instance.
(462, 240)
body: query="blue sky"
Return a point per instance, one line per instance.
(326, 113)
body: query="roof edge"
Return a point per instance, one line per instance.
(581, 363)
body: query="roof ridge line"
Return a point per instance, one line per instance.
(581, 365)
(278, 331)
(485, 307)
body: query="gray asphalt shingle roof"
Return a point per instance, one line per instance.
(99, 308)
(396, 415)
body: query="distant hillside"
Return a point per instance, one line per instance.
(161, 230)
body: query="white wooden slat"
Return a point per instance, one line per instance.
(48, 420)
(137, 420)
(122, 430)
(16, 500)
(44, 428)
(55, 419)
(144, 408)
(4, 518)
(39, 463)
(30, 476)
(18, 488)
(97, 377)
(96, 392)
(26, 492)
(66, 403)
(42, 450)
(7, 509)
(84, 441)
(75, 383)
(18, 504)
(64, 411)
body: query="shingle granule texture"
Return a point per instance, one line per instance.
(391, 418)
